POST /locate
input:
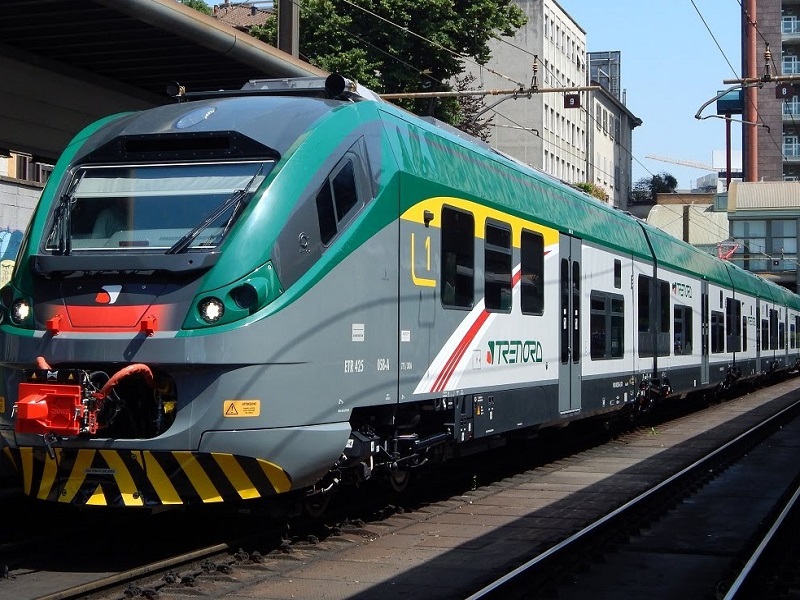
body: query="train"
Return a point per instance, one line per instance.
(275, 291)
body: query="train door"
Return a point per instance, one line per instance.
(569, 374)
(704, 333)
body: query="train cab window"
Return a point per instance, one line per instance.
(458, 258)
(338, 199)
(606, 325)
(344, 191)
(717, 331)
(497, 267)
(682, 330)
(149, 208)
(532, 273)
(618, 274)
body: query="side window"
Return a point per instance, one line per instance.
(532, 273)
(458, 258)
(606, 325)
(773, 329)
(338, 199)
(618, 274)
(744, 334)
(643, 325)
(327, 217)
(733, 313)
(717, 331)
(764, 334)
(497, 267)
(344, 191)
(682, 330)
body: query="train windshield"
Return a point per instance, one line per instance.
(169, 208)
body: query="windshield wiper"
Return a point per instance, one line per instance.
(236, 198)
(62, 218)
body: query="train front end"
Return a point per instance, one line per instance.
(136, 344)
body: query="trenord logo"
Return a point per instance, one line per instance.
(511, 352)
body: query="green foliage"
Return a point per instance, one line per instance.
(648, 188)
(357, 38)
(593, 190)
(198, 5)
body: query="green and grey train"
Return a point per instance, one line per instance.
(297, 285)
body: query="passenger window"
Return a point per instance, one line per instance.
(682, 330)
(458, 258)
(717, 332)
(497, 267)
(606, 326)
(532, 273)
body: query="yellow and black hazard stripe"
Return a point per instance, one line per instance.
(10, 456)
(142, 478)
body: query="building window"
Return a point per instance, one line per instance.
(752, 239)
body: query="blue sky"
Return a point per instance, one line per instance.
(671, 66)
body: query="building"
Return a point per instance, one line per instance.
(588, 141)
(242, 15)
(763, 225)
(21, 183)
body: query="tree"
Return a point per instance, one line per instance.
(198, 5)
(358, 39)
(648, 188)
(593, 190)
(468, 117)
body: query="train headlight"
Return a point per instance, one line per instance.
(211, 310)
(245, 296)
(20, 311)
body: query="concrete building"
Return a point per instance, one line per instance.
(777, 138)
(763, 223)
(21, 183)
(588, 141)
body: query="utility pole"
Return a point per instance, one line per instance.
(751, 93)
(289, 27)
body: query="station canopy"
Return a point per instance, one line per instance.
(66, 63)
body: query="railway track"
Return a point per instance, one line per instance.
(453, 516)
(684, 537)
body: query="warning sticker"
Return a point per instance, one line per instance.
(241, 408)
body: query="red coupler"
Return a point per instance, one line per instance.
(45, 408)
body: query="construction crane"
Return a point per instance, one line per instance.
(684, 163)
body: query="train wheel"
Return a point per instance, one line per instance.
(399, 479)
(316, 505)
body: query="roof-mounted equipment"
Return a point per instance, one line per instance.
(333, 87)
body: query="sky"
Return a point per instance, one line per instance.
(670, 66)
